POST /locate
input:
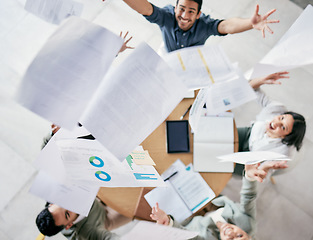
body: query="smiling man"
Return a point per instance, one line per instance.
(184, 25)
(97, 225)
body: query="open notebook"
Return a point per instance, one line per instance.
(213, 137)
(185, 194)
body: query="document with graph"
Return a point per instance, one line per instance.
(213, 137)
(185, 194)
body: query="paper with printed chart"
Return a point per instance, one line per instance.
(54, 11)
(88, 162)
(293, 50)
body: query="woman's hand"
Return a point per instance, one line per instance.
(270, 79)
(259, 171)
(159, 215)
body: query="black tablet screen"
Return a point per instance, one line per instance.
(177, 136)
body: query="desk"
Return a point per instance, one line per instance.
(124, 200)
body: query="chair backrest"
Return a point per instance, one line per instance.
(40, 237)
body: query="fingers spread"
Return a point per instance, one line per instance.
(269, 13)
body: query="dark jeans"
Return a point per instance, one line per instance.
(243, 137)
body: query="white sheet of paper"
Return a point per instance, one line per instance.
(227, 95)
(88, 162)
(132, 101)
(197, 108)
(293, 50)
(252, 157)
(214, 137)
(67, 71)
(76, 198)
(201, 66)
(54, 11)
(144, 230)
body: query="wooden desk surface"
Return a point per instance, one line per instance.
(124, 200)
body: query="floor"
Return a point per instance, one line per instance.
(284, 210)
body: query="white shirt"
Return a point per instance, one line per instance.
(259, 140)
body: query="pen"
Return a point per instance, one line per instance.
(181, 118)
(170, 176)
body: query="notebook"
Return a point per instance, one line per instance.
(213, 137)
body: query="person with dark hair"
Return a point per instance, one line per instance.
(228, 220)
(46, 223)
(97, 225)
(184, 25)
(275, 128)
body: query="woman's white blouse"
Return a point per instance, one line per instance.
(259, 141)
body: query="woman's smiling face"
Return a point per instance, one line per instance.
(280, 126)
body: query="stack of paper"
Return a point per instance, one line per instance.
(213, 137)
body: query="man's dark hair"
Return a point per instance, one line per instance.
(196, 1)
(298, 130)
(46, 224)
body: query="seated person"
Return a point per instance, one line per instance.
(96, 225)
(229, 221)
(275, 128)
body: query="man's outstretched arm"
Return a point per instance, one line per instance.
(141, 6)
(257, 21)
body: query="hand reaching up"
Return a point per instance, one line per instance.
(124, 46)
(260, 22)
(258, 172)
(269, 79)
(159, 215)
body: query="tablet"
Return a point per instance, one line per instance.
(177, 134)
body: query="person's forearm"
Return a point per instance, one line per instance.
(141, 6)
(255, 83)
(234, 25)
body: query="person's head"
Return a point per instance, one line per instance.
(298, 131)
(53, 219)
(231, 232)
(290, 127)
(187, 12)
